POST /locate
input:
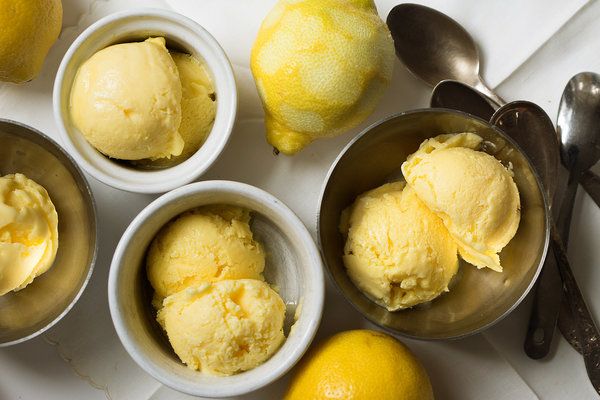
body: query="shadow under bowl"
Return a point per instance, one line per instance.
(477, 298)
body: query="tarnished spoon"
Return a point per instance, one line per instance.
(532, 129)
(458, 96)
(579, 129)
(586, 330)
(434, 47)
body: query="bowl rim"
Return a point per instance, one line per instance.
(304, 338)
(431, 110)
(31, 132)
(179, 178)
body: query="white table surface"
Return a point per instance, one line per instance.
(530, 50)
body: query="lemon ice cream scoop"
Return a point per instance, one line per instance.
(198, 107)
(205, 245)
(225, 327)
(126, 101)
(28, 232)
(471, 191)
(397, 251)
(320, 67)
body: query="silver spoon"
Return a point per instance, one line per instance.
(532, 129)
(546, 303)
(458, 96)
(434, 47)
(528, 125)
(519, 120)
(579, 129)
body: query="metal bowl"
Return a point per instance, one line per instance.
(477, 298)
(31, 311)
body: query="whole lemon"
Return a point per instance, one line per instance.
(360, 365)
(320, 68)
(28, 29)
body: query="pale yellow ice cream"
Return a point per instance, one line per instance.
(397, 251)
(28, 232)
(126, 101)
(471, 191)
(224, 327)
(205, 245)
(198, 107)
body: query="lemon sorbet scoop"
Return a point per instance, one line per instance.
(205, 245)
(126, 101)
(224, 327)
(320, 67)
(198, 108)
(28, 232)
(471, 191)
(397, 251)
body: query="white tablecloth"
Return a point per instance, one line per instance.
(530, 49)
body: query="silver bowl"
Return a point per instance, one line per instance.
(31, 311)
(477, 298)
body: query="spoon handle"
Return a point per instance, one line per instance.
(586, 329)
(483, 88)
(545, 310)
(591, 183)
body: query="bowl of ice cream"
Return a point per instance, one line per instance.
(145, 100)
(433, 224)
(216, 289)
(47, 233)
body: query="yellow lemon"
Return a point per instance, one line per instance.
(28, 29)
(360, 365)
(320, 68)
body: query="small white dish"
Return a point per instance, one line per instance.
(293, 267)
(182, 34)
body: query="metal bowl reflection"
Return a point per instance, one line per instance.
(477, 298)
(31, 311)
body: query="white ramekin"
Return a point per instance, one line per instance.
(294, 267)
(134, 25)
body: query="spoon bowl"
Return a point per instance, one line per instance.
(434, 47)
(528, 125)
(459, 96)
(578, 127)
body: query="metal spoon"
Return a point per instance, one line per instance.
(532, 129)
(579, 130)
(524, 115)
(458, 96)
(434, 47)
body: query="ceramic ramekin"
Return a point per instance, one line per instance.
(182, 34)
(293, 266)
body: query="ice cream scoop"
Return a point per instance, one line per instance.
(208, 244)
(225, 327)
(126, 101)
(471, 191)
(198, 108)
(397, 251)
(28, 232)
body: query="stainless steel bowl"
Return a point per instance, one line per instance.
(477, 298)
(31, 311)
